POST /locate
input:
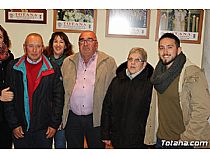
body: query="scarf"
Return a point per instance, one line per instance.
(58, 61)
(163, 77)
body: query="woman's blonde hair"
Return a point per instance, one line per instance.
(139, 50)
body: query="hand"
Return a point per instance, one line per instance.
(60, 127)
(50, 132)
(18, 132)
(108, 144)
(6, 95)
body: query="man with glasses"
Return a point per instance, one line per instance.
(86, 77)
(183, 98)
(127, 103)
(36, 110)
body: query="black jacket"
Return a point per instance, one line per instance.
(3, 69)
(48, 98)
(126, 108)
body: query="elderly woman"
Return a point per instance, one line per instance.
(127, 103)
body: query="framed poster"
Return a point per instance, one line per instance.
(184, 23)
(130, 23)
(35, 16)
(74, 20)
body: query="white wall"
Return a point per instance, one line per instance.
(206, 48)
(116, 47)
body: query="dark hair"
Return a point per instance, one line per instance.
(67, 51)
(6, 37)
(171, 36)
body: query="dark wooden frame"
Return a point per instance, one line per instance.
(129, 35)
(21, 15)
(186, 36)
(77, 30)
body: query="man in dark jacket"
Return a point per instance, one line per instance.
(36, 110)
(127, 103)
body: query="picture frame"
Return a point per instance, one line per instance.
(128, 23)
(74, 20)
(35, 16)
(186, 24)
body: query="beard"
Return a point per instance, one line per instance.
(167, 62)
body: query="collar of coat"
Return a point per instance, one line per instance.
(101, 56)
(45, 70)
(146, 73)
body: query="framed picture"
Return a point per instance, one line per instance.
(184, 23)
(74, 20)
(130, 23)
(35, 16)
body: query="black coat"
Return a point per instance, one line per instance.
(48, 100)
(126, 108)
(3, 69)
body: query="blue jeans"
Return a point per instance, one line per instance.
(60, 139)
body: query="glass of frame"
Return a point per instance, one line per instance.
(74, 20)
(35, 16)
(130, 23)
(184, 23)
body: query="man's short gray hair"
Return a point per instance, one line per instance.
(33, 34)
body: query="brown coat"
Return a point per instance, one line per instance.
(105, 72)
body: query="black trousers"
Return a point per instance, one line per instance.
(5, 136)
(79, 126)
(33, 140)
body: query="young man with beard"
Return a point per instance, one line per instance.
(183, 98)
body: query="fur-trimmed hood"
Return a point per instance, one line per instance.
(120, 70)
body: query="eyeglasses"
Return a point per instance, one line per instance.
(88, 40)
(138, 60)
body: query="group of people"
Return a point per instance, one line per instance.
(53, 93)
